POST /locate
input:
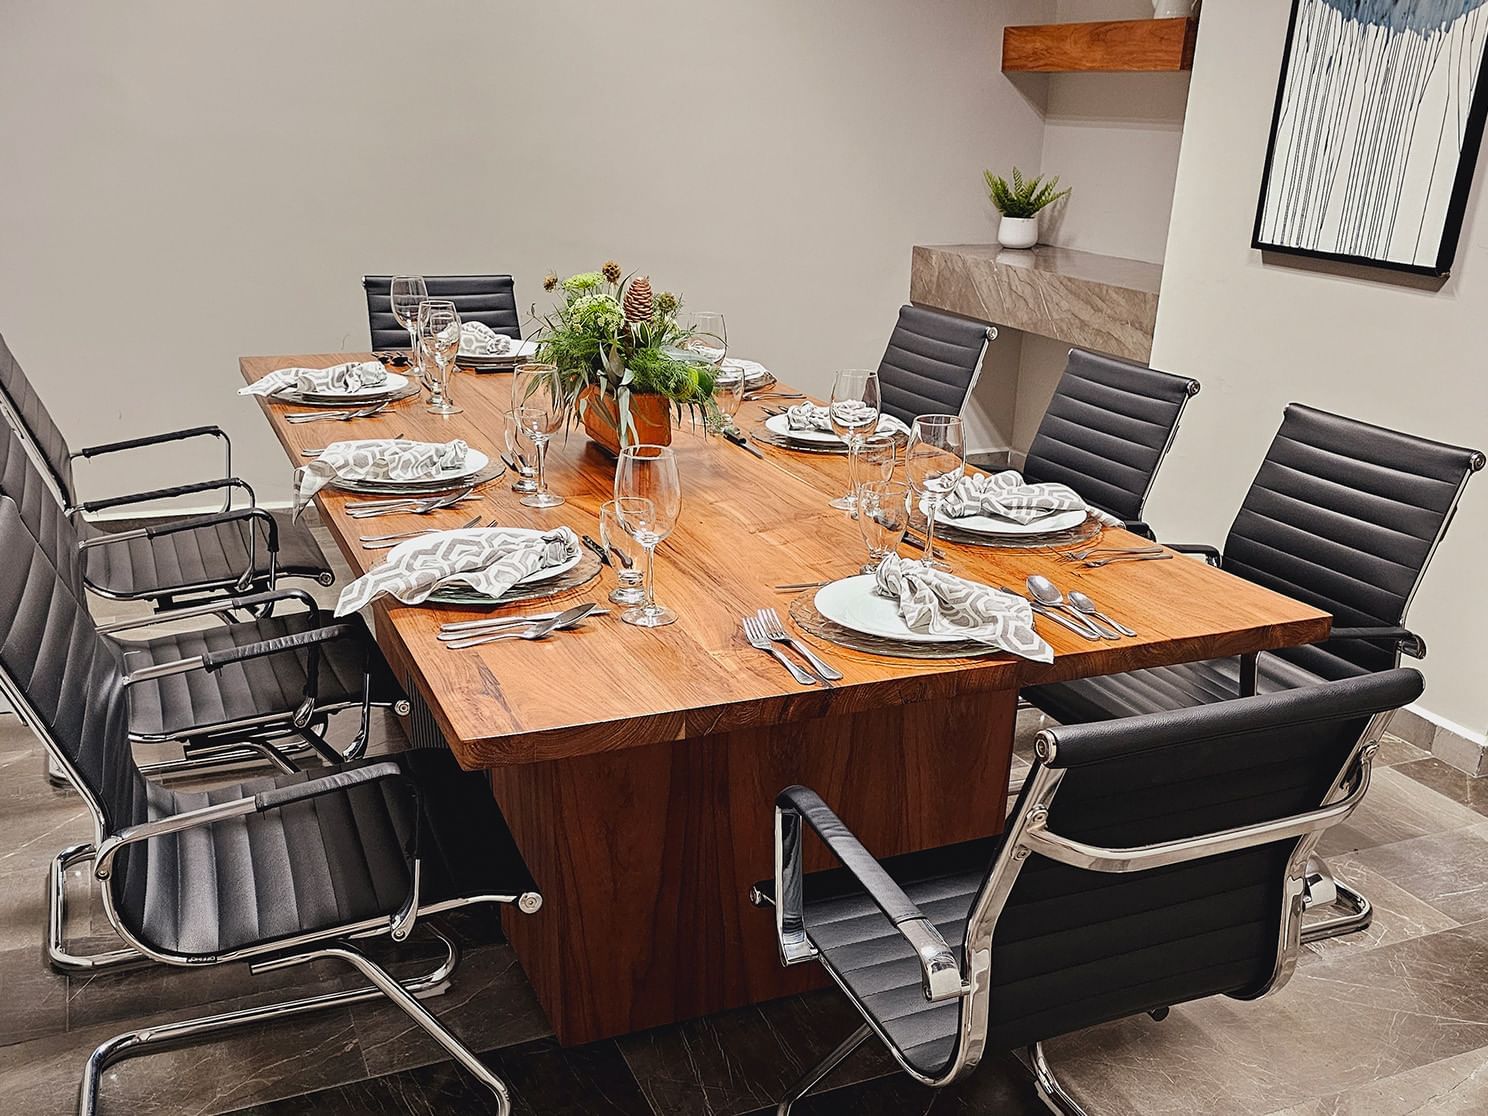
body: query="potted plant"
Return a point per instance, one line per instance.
(620, 357)
(1019, 202)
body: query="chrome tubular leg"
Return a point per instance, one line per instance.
(1050, 1091)
(56, 941)
(147, 1039)
(55, 775)
(226, 755)
(821, 1069)
(1325, 892)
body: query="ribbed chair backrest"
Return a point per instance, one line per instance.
(1345, 516)
(55, 532)
(36, 421)
(1107, 429)
(1074, 947)
(930, 364)
(490, 299)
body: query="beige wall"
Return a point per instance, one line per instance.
(187, 182)
(1261, 333)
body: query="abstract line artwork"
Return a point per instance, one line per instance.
(1379, 116)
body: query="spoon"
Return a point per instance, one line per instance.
(1047, 593)
(1087, 606)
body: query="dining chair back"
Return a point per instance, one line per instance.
(1107, 429)
(490, 299)
(1148, 862)
(29, 415)
(931, 363)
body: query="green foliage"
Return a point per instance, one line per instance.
(1022, 197)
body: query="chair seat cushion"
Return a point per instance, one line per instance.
(212, 556)
(195, 703)
(1159, 689)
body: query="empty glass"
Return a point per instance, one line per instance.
(883, 514)
(728, 393)
(935, 460)
(439, 344)
(648, 499)
(877, 457)
(511, 434)
(540, 407)
(854, 411)
(616, 541)
(707, 336)
(407, 293)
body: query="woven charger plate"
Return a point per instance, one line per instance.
(408, 391)
(582, 574)
(417, 489)
(804, 615)
(944, 532)
(764, 434)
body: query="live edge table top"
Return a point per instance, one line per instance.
(746, 525)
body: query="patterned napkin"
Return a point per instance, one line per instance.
(811, 416)
(479, 339)
(753, 371)
(376, 459)
(351, 377)
(489, 561)
(932, 600)
(1006, 495)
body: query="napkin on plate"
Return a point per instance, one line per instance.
(1006, 495)
(812, 416)
(489, 561)
(479, 339)
(376, 459)
(753, 371)
(934, 601)
(350, 377)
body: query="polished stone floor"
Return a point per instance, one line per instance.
(1384, 1023)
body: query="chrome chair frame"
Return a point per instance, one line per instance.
(946, 976)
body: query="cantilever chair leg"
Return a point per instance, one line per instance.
(1050, 1091)
(815, 1074)
(149, 1039)
(58, 955)
(1326, 892)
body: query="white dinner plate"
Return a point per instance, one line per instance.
(522, 350)
(545, 574)
(754, 372)
(852, 603)
(474, 462)
(391, 386)
(780, 424)
(993, 525)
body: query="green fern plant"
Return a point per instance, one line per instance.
(1022, 197)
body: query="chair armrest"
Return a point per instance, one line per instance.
(209, 608)
(1139, 527)
(153, 440)
(213, 661)
(940, 974)
(1211, 553)
(197, 523)
(169, 493)
(1407, 641)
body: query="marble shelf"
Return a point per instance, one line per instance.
(1105, 303)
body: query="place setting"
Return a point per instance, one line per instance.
(405, 475)
(351, 390)
(483, 349)
(852, 416)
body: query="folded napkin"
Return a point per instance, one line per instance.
(934, 601)
(488, 561)
(376, 459)
(1006, 495)
(351, 377)
(811, 416)
(753, 371)
(479, 339)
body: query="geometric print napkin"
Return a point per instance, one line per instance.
(934, 601)
(811, 416)
(376, 459)
(1005, 494)
(351, 377)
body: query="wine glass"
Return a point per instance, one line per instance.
(707, 336)
(611, 534)
(439, 343)
(407, 293)
(511, 434)
(540, 406)
(728, 393)
(853, 411)
(883, 515)
(879, 453)
(648, 499)
(935, 460)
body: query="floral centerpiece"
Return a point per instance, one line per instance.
(622, 358)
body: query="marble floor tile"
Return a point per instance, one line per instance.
(1398, 915)
(1447, 780)
(1449, 871)
(1394, 751)
(1455, 1086)
(1396, 808)
(34, 997)
(998, 1087)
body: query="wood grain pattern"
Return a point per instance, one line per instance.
(746, 525)
(1107, 45)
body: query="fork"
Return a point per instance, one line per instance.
(382, 542)
(339, 416)
(415, 507)
(1097, 551)
(770, 621)
(1096, 563)
(757, 638)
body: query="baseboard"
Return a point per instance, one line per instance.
(1451, 743)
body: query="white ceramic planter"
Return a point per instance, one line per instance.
(1173, 9)
(1018, 232)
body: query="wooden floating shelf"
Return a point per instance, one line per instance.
(1110, 46)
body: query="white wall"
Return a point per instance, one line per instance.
(185, 183)
(1261, 333)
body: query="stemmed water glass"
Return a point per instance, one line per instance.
(439, 344)
(707, 336)
(648, 499)
(407, 293)
(883, 515)
(511, 435)
(540, 406)
(879, 453)
(935, 460)
(853, 411)
(611, 533)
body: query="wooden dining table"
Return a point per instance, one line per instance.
(637, 768)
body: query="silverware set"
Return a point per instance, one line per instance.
(764, 630)
(1074, 611)
(384, 542)
(409, 505)
(766, 393)
(535, 625)
(1093, 557)
(341, 415)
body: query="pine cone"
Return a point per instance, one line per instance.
(611, 271)
(638, 301)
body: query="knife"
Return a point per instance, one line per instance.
(463, 628)
(742, 442)
(1050, 614)
(916, 543)
(565, 619)
(599, 550)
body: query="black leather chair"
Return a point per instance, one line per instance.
(1106, 431)
(180, 560)
(275, 871)
(931, 363)
(263, 706)
(490, 299)
(1148, 862)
